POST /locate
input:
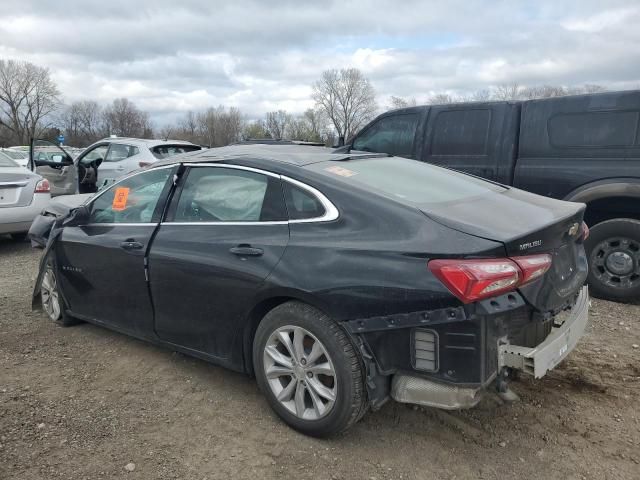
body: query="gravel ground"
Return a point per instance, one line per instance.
(84, 402)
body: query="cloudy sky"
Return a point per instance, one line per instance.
(173, 56)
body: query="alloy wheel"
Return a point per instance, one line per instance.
(300, 372)
(49, 294)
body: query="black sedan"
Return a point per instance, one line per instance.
(338, 280)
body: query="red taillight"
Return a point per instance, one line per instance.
(143, 164)
(585, 231)
(43, 186)
(532, 266)
(472, 280)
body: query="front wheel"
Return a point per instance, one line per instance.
(613, 248)
(309, 370)
(52, 302)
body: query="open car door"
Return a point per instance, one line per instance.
(54, 164)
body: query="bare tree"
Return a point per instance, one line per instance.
(509, 91)
(188, 127)
(28, 97)
(399, 102)
(442, 99)
(218, 126)
(256, 129)
(347, 98)
(124, 119)
(82, 122)
(276, 123)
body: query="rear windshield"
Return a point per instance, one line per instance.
(407, 180)
(5, 161)
(166, 151)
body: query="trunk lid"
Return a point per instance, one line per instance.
(527, 224)
(17, 185)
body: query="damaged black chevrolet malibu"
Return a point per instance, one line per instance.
(338, 280)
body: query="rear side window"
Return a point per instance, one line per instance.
(593, 129)
(119, 152)
(408, 181)
(166, 151)
(392, 134)
(461, 132)
(214, 194)
(302, 204)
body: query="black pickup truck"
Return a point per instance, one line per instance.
(582, 148)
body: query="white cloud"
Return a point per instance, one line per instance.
(172, 57)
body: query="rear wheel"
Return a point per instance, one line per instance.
(613, 248)
(309, 370)
(52, 302)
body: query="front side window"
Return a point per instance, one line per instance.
(215, 194)
(97, 153)
(393, 134)
(133, 200)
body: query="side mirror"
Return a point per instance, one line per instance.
(78, 216)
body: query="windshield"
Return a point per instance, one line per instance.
(5, 161)
(407, 180)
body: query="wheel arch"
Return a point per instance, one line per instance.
(264, 304)
(608, 199)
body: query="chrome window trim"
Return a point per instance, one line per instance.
(276, 222)
(330, 211)
(149, 224)
(234, 167)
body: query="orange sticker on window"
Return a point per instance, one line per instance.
(120, 199)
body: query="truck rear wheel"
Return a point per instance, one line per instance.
(613, 249)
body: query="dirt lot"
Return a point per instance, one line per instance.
(84, 402)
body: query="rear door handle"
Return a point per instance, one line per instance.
(244, 250)
(131, 244)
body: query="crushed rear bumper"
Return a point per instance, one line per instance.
(537, 361)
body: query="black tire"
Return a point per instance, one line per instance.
(56, 312)
(350, 397)
(614, 277)
(19, 237)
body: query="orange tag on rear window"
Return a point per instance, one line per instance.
(120, 199)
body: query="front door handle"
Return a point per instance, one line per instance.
(244, 250)
(131, 244)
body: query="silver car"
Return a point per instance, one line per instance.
(101, 163)
(23, 195)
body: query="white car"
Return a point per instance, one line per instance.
(23, 195)
(19, 156)
(101, 163)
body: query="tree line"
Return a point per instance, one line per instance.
(344, 101)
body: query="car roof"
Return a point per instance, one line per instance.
(299, 155)
(147, 142)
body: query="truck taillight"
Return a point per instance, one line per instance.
(472, 280)
(43, 186)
